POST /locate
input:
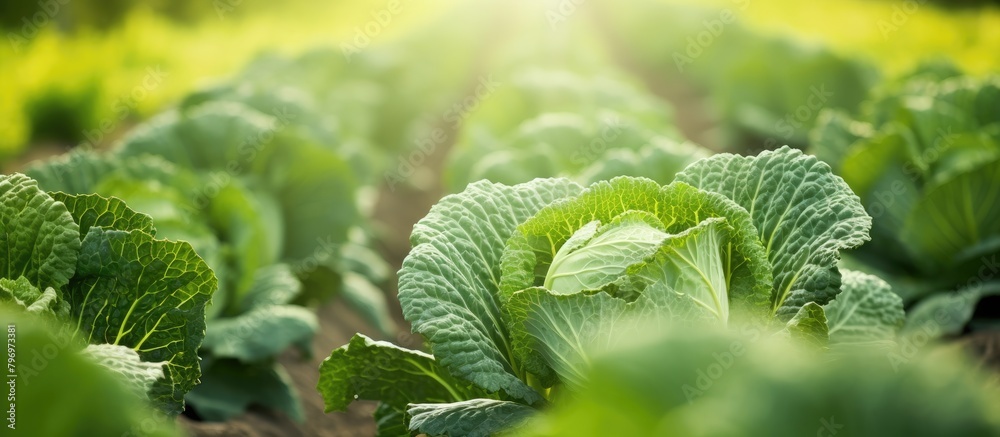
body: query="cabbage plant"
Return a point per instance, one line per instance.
(130, 301)
(240, 186)
(511, 286)
(924, 156)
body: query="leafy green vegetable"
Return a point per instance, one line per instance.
(924, 156)
(516, 288)
(139, 301)
(240, 186)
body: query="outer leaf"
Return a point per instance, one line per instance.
(866, 310)
(660, 160)
(377, 370)
(472, 418)
(150, 295)
(136, 374)
(248, 221)
(358, 257)
(834, 134)
(297, 175)
(89, 210)
(82, 172)
(263, 332)
(240, 142)
(804, 213)
(685, 383)
(229, 387)
(448, 286)
(38, 237)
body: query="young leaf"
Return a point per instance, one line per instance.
(686, 283)
(603, 255)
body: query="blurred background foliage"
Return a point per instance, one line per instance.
(72, 66)
(80, 66)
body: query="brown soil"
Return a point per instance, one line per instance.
(985, 347)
